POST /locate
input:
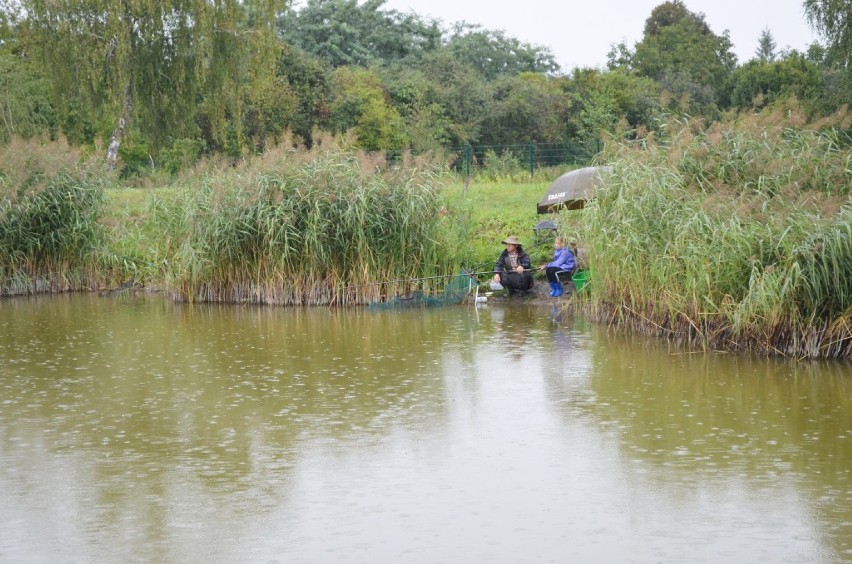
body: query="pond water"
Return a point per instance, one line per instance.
(136, 429)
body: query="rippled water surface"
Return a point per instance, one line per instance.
(135, 429)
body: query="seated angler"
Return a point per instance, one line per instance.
(512, 269)
(563, 264)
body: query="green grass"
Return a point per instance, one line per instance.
(491, 211)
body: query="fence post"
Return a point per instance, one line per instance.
(531, 154)
(467, 158)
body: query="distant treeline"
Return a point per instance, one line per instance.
(159, 85)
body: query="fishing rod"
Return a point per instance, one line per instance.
(438, 277)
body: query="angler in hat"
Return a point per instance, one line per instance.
(512, 269)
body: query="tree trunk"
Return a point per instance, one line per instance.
(118, 133)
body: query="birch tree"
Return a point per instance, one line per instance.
(153, 61)
(833, 20)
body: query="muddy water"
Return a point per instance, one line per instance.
(134, 429)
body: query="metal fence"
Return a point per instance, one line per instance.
(528, 157)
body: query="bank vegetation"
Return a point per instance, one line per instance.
(734, 237)
(731, 236)
(292, 226)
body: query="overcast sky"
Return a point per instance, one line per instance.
(581, 33)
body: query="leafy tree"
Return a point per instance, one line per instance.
(461, 91)
(620, 57)
(837, 79)
(359, 103)
(765, 52)
(680, 52)
(604, 101)
(428, 128)
(270, 108)
(833, 20)
(150, 62)
(415, 97)
(528, 107)
(408, 88)
(493, 53)
(310, 80)
(25, 108)
(673, 13)
(344, 32)
(757, 84)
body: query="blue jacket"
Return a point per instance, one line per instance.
(563, 259)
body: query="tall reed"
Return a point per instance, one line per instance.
(737, 238)
(50, 235)
(318, 231)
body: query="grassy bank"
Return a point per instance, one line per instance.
(490, 211)
(734, 238)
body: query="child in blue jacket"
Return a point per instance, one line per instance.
(563, 262)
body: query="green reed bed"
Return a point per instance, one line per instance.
(50, 236)
(738, 239)
(323, 230)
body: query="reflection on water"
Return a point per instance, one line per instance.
(138, 429)
(722, 442)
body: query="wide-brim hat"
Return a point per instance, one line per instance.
(511, 240)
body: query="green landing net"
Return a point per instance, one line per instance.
(454, 292)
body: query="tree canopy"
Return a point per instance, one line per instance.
(680, 52)
(494, 54)
(344, 32)
(759, 83)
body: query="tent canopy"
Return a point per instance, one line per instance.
(572, 189)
